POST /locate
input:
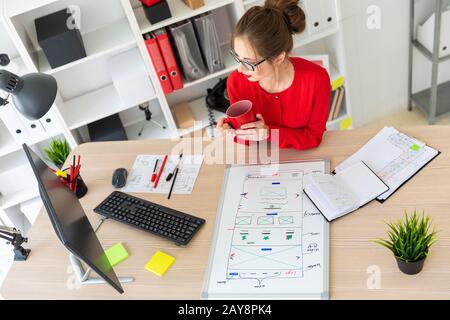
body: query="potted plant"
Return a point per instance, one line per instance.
(409, 240)
(58, 152)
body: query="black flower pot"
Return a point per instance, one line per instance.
(410, 267)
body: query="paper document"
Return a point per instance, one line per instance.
(139, 179)
(393, 156)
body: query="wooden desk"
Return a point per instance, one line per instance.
(46, 274)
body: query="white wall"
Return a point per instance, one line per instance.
(377, 60)
(6, 45)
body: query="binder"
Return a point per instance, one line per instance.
(51, 122)
(158, 62)
(209, 42)
(188, 50)
(425, 33)
(329, 13)
(334, 102)
(34, 127)
(169, 58)
(339, 103)
(15, 126)
(313, 12)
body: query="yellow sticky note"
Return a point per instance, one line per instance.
(160, 263)
(346, 123)
(339, 82)
(116, 254)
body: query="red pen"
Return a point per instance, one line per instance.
(160, 171)
(154, 171)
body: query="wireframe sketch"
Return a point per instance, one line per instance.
(271, 236)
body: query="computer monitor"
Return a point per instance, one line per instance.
(69, 220)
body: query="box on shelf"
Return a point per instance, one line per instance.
(130, 79)
(107, 129)
(183, 115)
(425, 34)
(61, 44)
(194, 4)
(157, 12)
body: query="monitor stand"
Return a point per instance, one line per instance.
(83, 275)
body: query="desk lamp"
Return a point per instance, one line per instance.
(33, 94)
(15, 238)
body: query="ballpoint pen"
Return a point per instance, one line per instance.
(154, 171)
(173, 183)
(170, 175)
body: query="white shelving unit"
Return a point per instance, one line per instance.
(105, 41)
(86, 88)
(179, 12)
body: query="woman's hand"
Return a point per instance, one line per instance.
(254, 131)
(224, 128)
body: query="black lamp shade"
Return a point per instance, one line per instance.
(35, 95)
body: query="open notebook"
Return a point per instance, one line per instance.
(393, 156)
(345, 192)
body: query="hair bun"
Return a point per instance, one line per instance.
(295, 16)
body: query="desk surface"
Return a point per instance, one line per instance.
(353, 258)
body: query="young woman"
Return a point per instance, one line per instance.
(289, 94)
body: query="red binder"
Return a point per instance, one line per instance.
(169, 58)
(158, 63)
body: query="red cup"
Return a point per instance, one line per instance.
(238, 114)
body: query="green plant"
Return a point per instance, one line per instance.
(410, 239)
(58, 152)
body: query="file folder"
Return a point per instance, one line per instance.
(15, 126)
(313, 12)
(425, 33)
(169, 58)
(329, 13)
(158, 62)
(188, 50)
(51, 122)
(209, 42)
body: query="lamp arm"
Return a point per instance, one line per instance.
(6, 238)
(11, 231)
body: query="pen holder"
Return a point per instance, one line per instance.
(81, 188)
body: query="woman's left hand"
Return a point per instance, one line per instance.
(254, 131)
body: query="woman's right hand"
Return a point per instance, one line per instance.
(223, 127)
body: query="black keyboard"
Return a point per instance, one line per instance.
(151, 217)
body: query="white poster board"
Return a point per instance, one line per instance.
(270, 241)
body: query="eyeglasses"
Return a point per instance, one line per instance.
(247, 65)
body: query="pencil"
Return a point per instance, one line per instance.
(160, 171)
(173, 183)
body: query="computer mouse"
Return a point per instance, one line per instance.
(119, 178)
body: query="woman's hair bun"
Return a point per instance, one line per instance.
(295, 15)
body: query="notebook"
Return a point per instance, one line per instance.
(394, 157)
(342, 193)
